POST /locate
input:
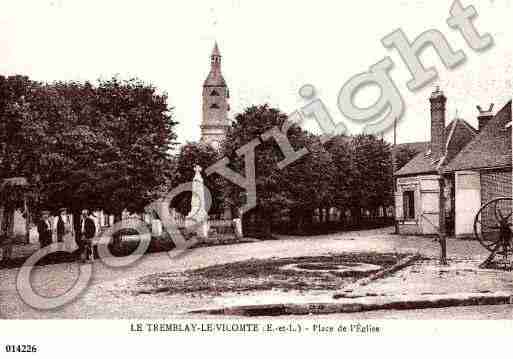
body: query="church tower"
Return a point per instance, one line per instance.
(215, 103)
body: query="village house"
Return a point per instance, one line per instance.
(482, 170)
(475, 166)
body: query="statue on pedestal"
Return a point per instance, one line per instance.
(197, 218)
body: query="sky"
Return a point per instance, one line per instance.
(270, 49)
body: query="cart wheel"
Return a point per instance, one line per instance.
(493, 225)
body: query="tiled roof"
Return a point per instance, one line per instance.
(490, 149)
(422, 163)
(458, 133)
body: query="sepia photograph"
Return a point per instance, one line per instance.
(254, 168)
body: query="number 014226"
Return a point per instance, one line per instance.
(25, 348)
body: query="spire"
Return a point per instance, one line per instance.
(215, 51)
(215, 58)
(215, 78)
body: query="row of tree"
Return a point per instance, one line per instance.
(349, 173)
(86, 146)
(110, 146)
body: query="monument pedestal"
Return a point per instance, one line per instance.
(198, 226)
(197, 219)
(237, 223)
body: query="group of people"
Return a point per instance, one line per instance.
(87, 231)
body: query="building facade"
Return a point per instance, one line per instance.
(482, 170)
(474, 165)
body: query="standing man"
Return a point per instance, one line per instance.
(6, 225)
(44, 228)
(87, 233)
(61, 225)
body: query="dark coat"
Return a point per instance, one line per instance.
(61, 227)
(45, 232)
(89, 228)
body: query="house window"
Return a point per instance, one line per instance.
(409, 204)
(214, 105)
(214, 93)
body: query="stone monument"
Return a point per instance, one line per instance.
(197, 219)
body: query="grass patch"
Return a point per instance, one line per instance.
(266, 274)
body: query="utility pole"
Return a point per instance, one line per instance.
(441, 230)
(510, 125)
(394, 165)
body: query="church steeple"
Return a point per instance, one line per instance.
(215, 103)
(215, 57)
(215, 78)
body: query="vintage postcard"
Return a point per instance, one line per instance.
(253, 169)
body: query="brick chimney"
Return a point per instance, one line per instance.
(484, 116)
(438, 101)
